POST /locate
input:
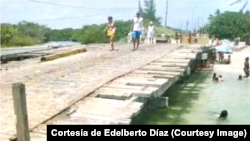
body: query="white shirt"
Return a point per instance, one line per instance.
(138, 24)
(151, 29)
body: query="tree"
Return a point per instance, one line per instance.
(247, 12)
(140, 8)
(217, 12)
(149, 12)
(210, 17)
(228, 24)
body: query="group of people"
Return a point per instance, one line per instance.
(145, 34)
(222, 58)
(246, 70)
(217, 79)
(137, 33)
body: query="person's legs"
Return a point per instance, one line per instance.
(138, 39)
(134, 39)
(247, 73)
(112, 42)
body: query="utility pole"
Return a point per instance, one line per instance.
(139, 5)
(198, 26)
(166, 17)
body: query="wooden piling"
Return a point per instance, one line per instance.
(22, 125)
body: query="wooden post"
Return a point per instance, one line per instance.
(22, 125)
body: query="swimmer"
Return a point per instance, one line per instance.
(223, 114)
(240, 77)
(220, 79)
(214, 77)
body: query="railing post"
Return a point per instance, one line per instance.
(22, 125)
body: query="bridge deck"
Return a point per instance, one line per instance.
(69, 79)
(114, 106)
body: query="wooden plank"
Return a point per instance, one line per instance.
(122, 92)
(108, 109)
(106, 102)
(143, 81)
(79, 121)
(183, 65)
(162, 76)
(174, 60)
(108, 112)
(124, 86)
(156, 72)
(159, 68)
(100, 106)
(180, 56)
(189, 51)
(99, 117)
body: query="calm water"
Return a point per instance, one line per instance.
(6, 51)
(200, 101)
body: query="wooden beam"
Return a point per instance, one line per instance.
(22, 125)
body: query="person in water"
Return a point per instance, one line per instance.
(111, 29)
(228, 61)
(223, 114)
(246, 67)
(220, 79)
(214, 77)
(240, 77)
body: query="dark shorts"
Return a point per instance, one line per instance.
(136, 34)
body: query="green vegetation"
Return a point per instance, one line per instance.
(28, 33)
(229, 24)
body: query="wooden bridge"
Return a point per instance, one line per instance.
(95, 87)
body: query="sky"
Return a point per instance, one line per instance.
(97, 11)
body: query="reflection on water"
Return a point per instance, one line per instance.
(199, 101)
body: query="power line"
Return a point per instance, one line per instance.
(79, 6)
(58, 19)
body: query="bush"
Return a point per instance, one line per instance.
(23, 40)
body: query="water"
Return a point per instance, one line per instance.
(6, 51)
(200, 101)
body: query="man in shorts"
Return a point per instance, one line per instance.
(136, 27)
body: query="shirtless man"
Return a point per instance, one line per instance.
(246, 67)
(111, 29)
(136, 27)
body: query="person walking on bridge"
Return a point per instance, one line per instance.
(111, 29)
(151, 32)
(136, 28)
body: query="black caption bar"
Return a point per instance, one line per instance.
(170, 131)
